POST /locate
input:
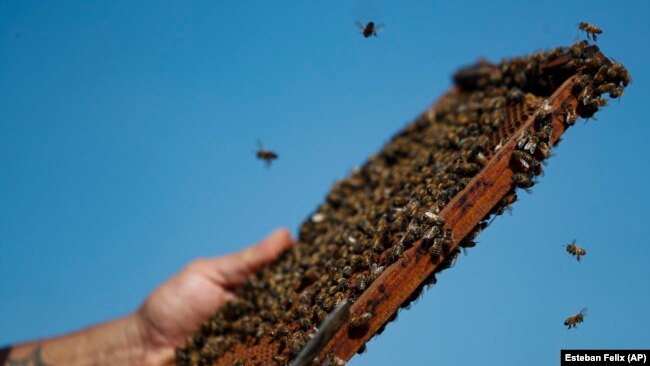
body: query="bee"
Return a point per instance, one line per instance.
(578, 48)
(360, 283)
(328, 304)
(396, 251)
(280, 360)
(321, 314)
(305, 323)
(616, 92)
(522, 181)
(448, 238)
(597, 103)
(570, 116)
(366, 259)
(438, 220)
(321, 297)
(580, 83)
(594, 62)
(545, 151)
(481, 159)
(400, 220)
(342, 284)
(361, 320)
(546, 107)
(412, 233)
(591, 30)
(601, 74)
(436, 248)
(522, 140)
(267, 155)
(377, 245)
(296, 343)
(575, 250)
(449, 261)
(505, 203)
(303, 310)
(466, 168)
(522, 160)
(382, 227)
(574, 320)
(370, 29)
(431, 234)
(238, 362)
(375, 271)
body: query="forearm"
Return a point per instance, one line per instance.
(118, 342)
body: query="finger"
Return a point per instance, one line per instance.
(232, 270)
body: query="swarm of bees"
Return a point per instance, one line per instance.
(574, 320)
(371, 218)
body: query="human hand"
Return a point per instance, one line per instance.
(180, 305)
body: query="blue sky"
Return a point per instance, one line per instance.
(127, 132)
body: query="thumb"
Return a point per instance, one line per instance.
(233, 269)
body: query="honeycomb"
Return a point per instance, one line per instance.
(384, 232)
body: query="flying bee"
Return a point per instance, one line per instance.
(574, 320)
(591, 30)
(570, 114)
(370, 29)
(267, 155)
(361, 320)
(575, 250)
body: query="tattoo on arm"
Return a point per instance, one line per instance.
(33, 359)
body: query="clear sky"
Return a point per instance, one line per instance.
(127, 132)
